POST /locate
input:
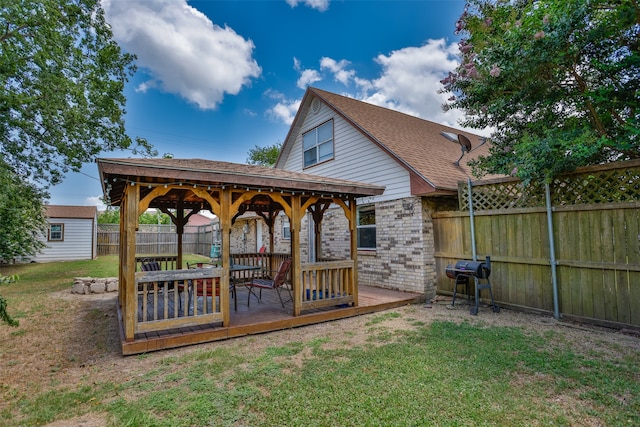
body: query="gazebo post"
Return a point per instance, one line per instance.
(225, 225)
(129, 218)
(296, 265)
(180, 221)
(352, 217)
(121, 256)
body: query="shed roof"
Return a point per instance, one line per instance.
(60, 211)
(413, 142)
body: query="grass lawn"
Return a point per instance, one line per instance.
(405, 367)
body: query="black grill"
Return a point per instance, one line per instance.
(478, 271)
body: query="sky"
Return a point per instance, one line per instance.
(217, 78)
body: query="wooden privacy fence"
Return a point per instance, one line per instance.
(596, 233)
(157, 239)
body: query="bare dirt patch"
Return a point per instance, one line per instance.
(70, 339)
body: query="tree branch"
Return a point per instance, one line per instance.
(582, 87)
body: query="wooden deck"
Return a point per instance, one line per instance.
(264, 316)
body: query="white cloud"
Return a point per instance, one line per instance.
(285, 110)
(95, 201)
(308, 77)
(339, 69)
(145, 86)
(363, 84)
(274, 94)
(409, 81)
(320, 5)
(184, 52)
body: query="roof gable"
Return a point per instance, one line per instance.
(413, 142)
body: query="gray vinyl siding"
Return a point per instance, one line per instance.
(356, 158)
(79, 241)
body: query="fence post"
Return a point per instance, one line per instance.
(552, 252)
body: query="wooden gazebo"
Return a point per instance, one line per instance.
(183, 187)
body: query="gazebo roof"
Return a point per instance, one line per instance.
(115, 174)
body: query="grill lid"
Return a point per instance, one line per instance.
(471, 268)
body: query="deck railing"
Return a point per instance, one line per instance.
(169, 299)
(327, 283)
(177, 298)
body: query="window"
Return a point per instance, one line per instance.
(286, 230)
(367, 227)
(318, 144)
(56, 232)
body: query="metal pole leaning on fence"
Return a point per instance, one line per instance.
(552, 252)
(472, 221)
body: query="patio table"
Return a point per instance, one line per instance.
(233, 281)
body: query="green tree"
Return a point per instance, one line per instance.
(22, 224)
(154, 218)
(4, 315)
(61, 100)
(112, 216)
(557, 81)
(62, 78)
(22, 216)
(264, 156)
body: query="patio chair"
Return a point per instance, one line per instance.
(151, 265)
(205, 289)
(277, 282)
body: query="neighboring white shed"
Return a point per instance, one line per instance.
(71, 234)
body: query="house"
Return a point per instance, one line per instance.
(340, 137)
(71, 234)
(195, 221)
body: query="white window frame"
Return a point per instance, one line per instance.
(315, 141)
(52, 235)
(286, 229)
(359, 227)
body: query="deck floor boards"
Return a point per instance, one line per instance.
(265, 316)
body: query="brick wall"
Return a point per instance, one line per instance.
(403, 258)
(336, 243)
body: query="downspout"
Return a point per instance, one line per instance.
(552, 252)
(472, 221)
